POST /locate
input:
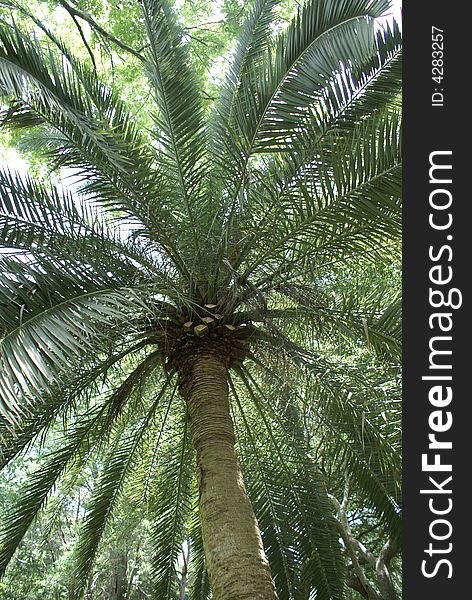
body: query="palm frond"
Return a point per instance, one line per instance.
(269, 499)
(370, 316)
(199, 583)
(170, 506)
(95, 134)
(252, 43)
(310, 521)
(322, 37)
(118, 464)
(53, 91)
(38, 355)
(180, 114)
(361, 433)
(354, 95)
(83, 387)
(364, 443)
(39, 485)
(348, 198)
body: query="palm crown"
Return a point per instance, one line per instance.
(206, 243)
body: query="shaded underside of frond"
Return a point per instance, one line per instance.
(290, 499)
(276, 220)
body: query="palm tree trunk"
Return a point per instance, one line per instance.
(237, 566)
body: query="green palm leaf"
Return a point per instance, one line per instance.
(249, 249)
(200, 588)
(180, 117)
(118, 463)
(312, 512)
(169, 506)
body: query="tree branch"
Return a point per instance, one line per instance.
(84, 40)
(382, 571)
(389, 550)
(357, 579)
(75, 12)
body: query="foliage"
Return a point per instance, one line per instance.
(271, 211)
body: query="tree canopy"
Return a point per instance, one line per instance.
(181, 230)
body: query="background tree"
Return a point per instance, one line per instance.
(199, 258)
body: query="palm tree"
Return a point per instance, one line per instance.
(187, 287)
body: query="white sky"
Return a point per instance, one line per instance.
(395, 12)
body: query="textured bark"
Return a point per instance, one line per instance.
(237, 566)
(357, 579)
(382, 570)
